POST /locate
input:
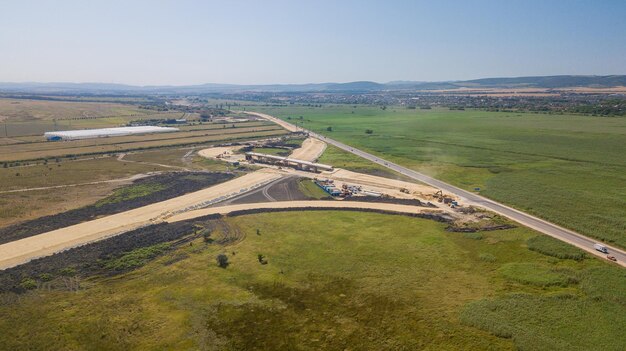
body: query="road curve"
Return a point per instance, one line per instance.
(538, 224)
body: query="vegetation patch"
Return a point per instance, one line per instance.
(135, 258)
(555, 248)
(327, 279)
(605, 283)
(536, 274)
(549, 322)
(473, 236)
(130, 193)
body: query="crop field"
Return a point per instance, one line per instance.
(568, 169)
(28, 110)
(44, 149)
(353, 280)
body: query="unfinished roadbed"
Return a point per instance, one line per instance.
(24, 250)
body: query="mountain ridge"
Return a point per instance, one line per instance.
(547, 82)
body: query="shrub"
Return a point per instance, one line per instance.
(222, 260)
(28, 284)
(45, 277)
(136, 258)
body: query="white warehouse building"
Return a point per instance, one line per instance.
(105, 132)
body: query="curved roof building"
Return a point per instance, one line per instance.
(105, 132)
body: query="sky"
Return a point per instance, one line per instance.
(186, 42)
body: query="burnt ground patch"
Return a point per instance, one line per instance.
(142, 192)
(285, 189)
(96, 258)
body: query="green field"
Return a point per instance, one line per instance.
(333, 280)
(565, 168)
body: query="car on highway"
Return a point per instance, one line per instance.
(612, 258)
(601, 248)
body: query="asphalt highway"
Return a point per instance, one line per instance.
(470, 198)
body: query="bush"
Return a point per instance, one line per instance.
(222, 260)
(28, 284)
(555, 248)
(369, 131)
(136, 258)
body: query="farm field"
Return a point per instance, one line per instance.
(361, 280)
(44, 149)
(28, 110)
(567, 169)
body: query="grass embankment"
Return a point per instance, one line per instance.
(272, 151)
(334, 280)
(311, 190)
(565, 168)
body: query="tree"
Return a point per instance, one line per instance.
(329, 129)
(369, 131)
(222, 260)
(206, 235)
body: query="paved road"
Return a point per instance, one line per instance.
(533, 222)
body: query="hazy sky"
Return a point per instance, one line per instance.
(264, 41)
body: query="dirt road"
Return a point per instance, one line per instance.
(302, 204)
(290, 127)
(20, 251)
(311, 150)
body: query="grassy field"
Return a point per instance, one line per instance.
(28, 110)
(18, 206)
(333, 280)
(342, 159)
(21, 206)
(568, 169)
(70, 172)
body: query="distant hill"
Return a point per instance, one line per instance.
(551, 81)
(564, 81)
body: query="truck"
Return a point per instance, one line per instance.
(601, 248)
